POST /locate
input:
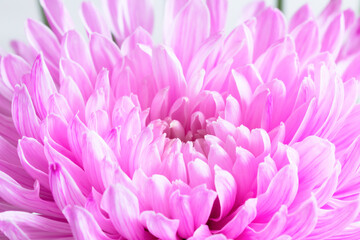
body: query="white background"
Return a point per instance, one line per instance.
(13, 14)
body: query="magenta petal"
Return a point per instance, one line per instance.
(334, 35)
(270, 27)
(83, 224)
(23, 225)
(64, 189)
(25, 119)
(123, 209)
(98, 160)
(58, 16)
(27, 199)
(239, 220)
(159, 225)
(69, 68)
(199, 173)
(33, 160)
(58, 105)
(281, 191)
(74, 47)
(168, 72)
(44, 40)
(12, 69)
(201, 200)
(332, 221)
(315, 165)
(218, 12)
(270, 230)
(180, 208)
(303, 220)
(225, 186)
(43, 86)
(104, 52)
(190, 28)
(93, 20)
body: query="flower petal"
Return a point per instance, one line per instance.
(57, 16)
(23, 225)
(218, 12)
(225, 186)
(333, 221)
(43, 40)
(190, 28)
(168, 72)
(104, 52)
(33, 160)
(303, 220)
(26, 199)
(83, 224)
(12, 69)
(281, 191)
(159, 225)
(43, 86)
(93, 20)
(64, 188)
(180, 209)
(123, 208)
(25, 119)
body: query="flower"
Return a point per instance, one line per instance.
(248, 135)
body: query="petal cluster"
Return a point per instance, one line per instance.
(252, 134)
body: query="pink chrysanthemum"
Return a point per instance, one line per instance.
(247, 135)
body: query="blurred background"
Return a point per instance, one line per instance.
(13, 14)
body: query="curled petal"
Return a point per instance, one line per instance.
(58, 17)
(26, 122)
(123, 208)
(64, 188)
(159, 225)
(23, 225)
(83, 224)
(93, 20)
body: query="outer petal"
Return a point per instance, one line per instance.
(123, 209)
(64, 188)
(333, 36)
(43, 86)
(180, 208)
(317, 159)
(239, 220)
(303, 220)
(104, 52)
(83, 224)
(99, 161)
(159, 225)
(75, 48)
(168, 72)
(44, 40)
(225, 186)
(12, 69)
(218, 12)
(269, 230)
(333, 221)
(190, 28)
(126, 16)
(281, 191)
(69, 68)
(27, 199)
(32, 157)
(58, 17)
(25, 119)
(201, 201)
(93, 20)
(270, 27)
(24, 225)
